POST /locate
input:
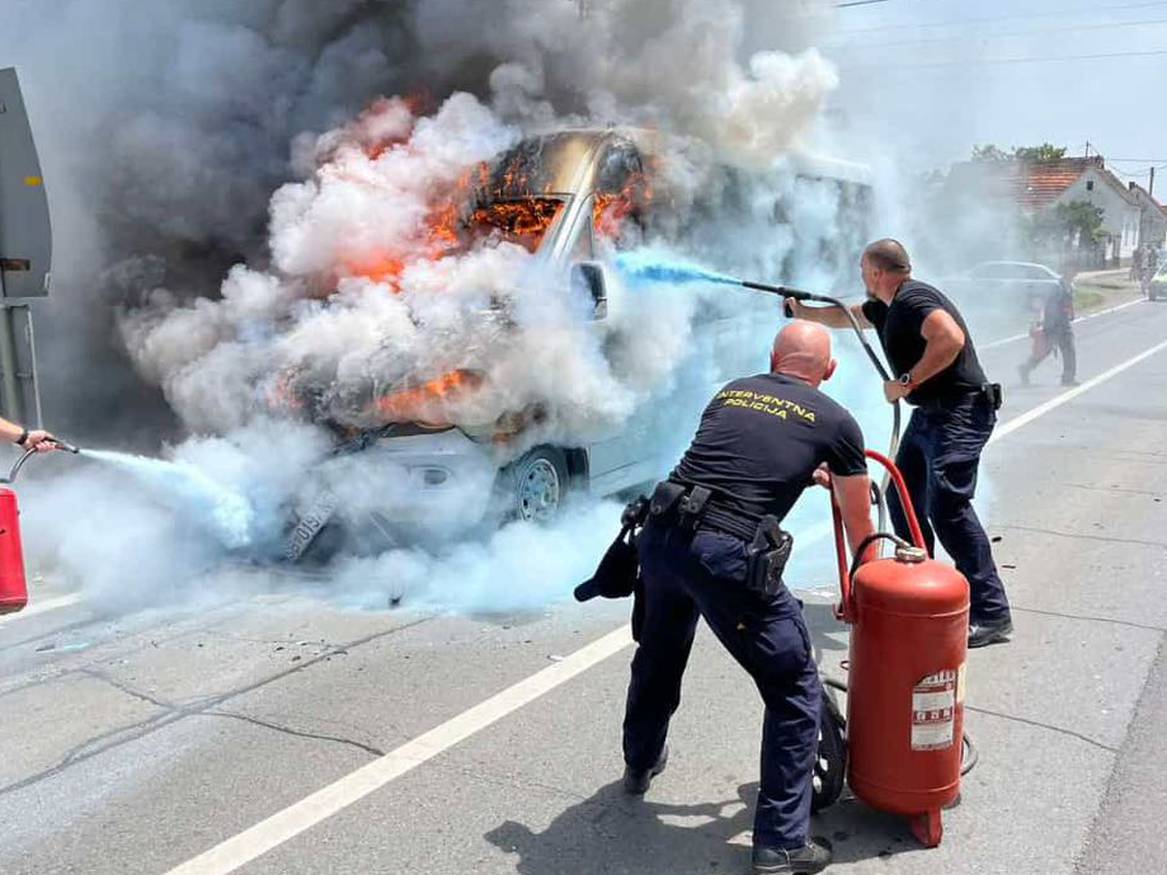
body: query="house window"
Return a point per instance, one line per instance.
(1089, 185)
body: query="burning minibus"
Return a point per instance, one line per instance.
(424, 461)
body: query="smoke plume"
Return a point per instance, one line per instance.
(256, 204)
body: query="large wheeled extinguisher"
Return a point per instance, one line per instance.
(906, 680)
(13, 585)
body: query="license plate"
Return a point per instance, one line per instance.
(310, 523)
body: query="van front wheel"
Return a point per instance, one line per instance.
(536, 485)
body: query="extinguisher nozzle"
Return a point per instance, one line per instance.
(68, 448)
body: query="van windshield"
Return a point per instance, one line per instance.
(523, 221)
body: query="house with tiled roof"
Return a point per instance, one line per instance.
(1152, 217)
(1035, 187)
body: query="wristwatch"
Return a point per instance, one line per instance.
(905, 379)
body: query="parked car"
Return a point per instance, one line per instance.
(1002, 296)
(1019, 281)
(1158, 286)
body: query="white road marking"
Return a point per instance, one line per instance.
(39, 607)
(1107, 311)
(246, 846)
(293, 820)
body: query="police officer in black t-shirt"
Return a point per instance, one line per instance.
(932, 353)
(762, 440)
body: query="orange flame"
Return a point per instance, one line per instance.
(521, 221)
(378, 268)
(612, 209)
(420, 403)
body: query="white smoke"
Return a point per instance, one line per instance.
(350, 300)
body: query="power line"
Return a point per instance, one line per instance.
(1091, 10)
(1009, 34)
(859, 3)
(988, 62)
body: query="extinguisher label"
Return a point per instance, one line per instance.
(934, 711)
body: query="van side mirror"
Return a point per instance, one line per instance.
(587, 278)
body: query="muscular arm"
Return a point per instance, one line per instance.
(944, 341)
(832, 317)
(854, 497)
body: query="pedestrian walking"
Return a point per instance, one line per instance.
(1053, 331)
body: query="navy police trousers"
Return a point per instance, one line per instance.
(938, 456)
(686, 575)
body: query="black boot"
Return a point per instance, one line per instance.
(636, 782)
(812, 857)
(981, 633)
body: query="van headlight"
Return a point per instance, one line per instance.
(431, 475)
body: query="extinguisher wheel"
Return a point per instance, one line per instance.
(830, 765)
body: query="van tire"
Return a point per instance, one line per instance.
(535, 486)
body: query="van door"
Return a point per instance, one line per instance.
(26, 242)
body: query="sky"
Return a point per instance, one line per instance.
(932, 77)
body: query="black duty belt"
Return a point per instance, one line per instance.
(720, 520)
(991, 393)
(695, 507)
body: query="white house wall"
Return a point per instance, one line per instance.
(1120, 214)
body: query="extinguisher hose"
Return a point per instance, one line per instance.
(970, 756)
(29, 453)
(24, 457)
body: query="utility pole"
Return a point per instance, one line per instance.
(1151, 184)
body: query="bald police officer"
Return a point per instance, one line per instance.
(762, 440)
(928, 345)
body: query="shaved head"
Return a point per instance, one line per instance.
(803, 350)
(889, 255)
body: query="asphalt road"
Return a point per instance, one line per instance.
(461, 744)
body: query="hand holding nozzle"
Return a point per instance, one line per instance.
(59, 444)
(40, 441)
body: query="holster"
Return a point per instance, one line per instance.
(766, 557)
(993, 394)
(674, 501)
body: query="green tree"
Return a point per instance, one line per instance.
(989, 152)
(1060, 227)
(1082, 217)
(1044, 152)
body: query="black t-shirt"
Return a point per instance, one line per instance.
(900, 326)
(760, 440)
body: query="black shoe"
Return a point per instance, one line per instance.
(636, 782)
(812, 857)
(980, 634)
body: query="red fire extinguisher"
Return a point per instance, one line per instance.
(906, 678)
(13, 585)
